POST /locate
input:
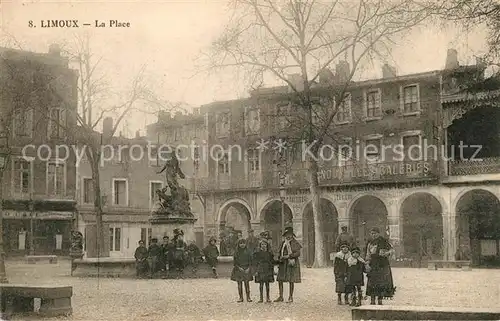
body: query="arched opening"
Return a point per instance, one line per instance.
(477, 127)
(329, 227)
(234, 219)
(368, 212)
(422, 228)
(272, 221)
(478, 228)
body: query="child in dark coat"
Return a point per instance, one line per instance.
(340, 272)
(356, 266)
(242, 269)
(264, 266)
(211, 254)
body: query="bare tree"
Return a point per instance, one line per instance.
(266, 37)
(96, 101)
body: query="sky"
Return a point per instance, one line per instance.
(167, 36)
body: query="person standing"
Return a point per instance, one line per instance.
(242, 273)
(289, 265)
(211, 254)
(141, 259)
(340, 272)
(355, 277)
(164, 253)
(344, 238)
(264, 269)
(252, 241)
(154, 253)
(179, 251)
(380, 283)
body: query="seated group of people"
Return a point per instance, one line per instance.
(173, 255)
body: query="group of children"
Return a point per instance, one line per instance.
(258, 264)
(349, 269)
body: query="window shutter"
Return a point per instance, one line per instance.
(378, 102)
(401, 99)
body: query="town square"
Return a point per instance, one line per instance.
(250, 160)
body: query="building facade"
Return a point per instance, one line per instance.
(436, 202)
(38, 104)
(129, 178)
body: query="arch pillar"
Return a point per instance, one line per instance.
(297, 224)
(394, 226)
(343, 218)
(257, 226)
(450, 235)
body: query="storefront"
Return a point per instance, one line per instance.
(37, 232)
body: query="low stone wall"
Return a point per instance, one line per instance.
(125, 268)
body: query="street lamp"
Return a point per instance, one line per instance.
(3, 274)
(282, 197)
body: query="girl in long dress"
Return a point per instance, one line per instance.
(264, 269)
(380, 284)
(242, 273)
(289, 265)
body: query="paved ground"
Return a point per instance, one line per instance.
(210, 299)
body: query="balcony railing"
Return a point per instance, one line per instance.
(489, 165)
(336, 175)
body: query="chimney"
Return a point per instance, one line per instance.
(297, 82)
(138, 134)
(451, 59)
(54, 49)
(343, 71)
(388, 71)
(326, 77)
(107, 126)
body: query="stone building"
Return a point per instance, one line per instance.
(39, 100)
(431, 202)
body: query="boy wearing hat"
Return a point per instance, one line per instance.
(356, 266)
(211, 254)
(340, 272)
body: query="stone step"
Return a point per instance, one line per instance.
(388, 312)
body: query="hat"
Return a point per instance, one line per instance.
(344, 227)
(344, 245)
(375, 229)
(154, 239)
(178, 232)
(212, 239)
(242, 241)
(356, 250)
(288, 230)
(266, 235)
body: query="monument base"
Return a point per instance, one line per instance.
(165, 225)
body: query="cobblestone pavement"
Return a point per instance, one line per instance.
(215, 299)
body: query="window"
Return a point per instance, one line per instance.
(254, 160)
(373, 149)
(410, 99)
(373, 104)
(146, 235)
(153, 187)
(196, 159)
(22, 122)
(120, 192)
(56, 178)
(119, 154)
(57, 123)
(115, 239)
(412, 147)
(88, 191)
(252, 120)
(223, 163)
(282, 113)
(21, 176)
(344, 110)
(177, 133)
(346, 152)
(223, 124)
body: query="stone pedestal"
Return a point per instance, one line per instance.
(165, 225)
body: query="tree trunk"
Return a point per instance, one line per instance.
(101, 252)
(319, 246)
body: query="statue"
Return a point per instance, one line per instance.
(177, 203)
